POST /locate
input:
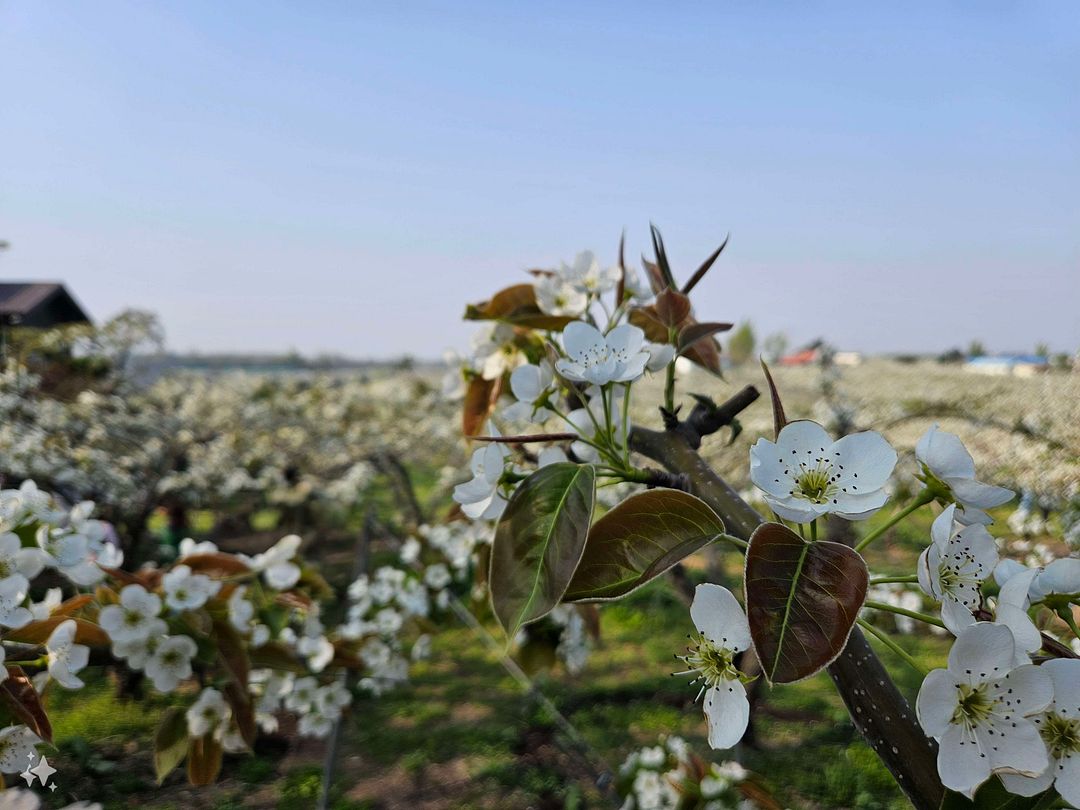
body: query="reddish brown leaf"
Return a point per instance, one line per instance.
(516, 305)
(73, 605)
(38, 632)
(217, 563)
(231, 650)
(275, 656)
(802, 600)
(242, 711)
(779, 418)
(699, 274)
(648, 321)
(693, 332)
(672, 308)
(480, 398)
(17, 693)
(204, 760)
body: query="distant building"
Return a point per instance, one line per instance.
(1004, 365)
(847, 358)
(38, 304)
(803, 357)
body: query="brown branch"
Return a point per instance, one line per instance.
(880, 713)
(535, 437)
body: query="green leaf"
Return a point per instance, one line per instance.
(802, 600)
(170, 742)
(639, 540)
(993, 796)
(539, 541)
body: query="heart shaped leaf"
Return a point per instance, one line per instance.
(539, 541)
(801, 599)
(639, 540)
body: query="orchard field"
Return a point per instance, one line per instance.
(357, 463)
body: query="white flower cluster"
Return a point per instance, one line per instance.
(665, 777)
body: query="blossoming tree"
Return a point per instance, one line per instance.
(1000, 726)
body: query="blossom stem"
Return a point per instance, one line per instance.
(626, 425)
(921, 499)
(892, 645)
(911, 614)
(886, 580)
(813, 530)
(669, 381)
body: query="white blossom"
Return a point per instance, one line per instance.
(208, 712)
(945, 460)
(134, 617)
(619, 356)
(954, 566)
(64, 656)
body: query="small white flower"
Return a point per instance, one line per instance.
(722, 633)
(479, 497)
(138, 651)
(12, 595)
(260, 635)
(437, 576)
(206, 713)
(16, 745)
(187, 591)
(318, 650)
(620, 356)
(1059, 727)
(241, 611)
(65, 657)
(1061, 577)
(660, 354)
(69, 553)
(954, 566)
(556, 296)
(278, 570)
(410, 553)
(978, 710)
(529, 383)
(189, 548)
(945, 460)
(495, 351)
(18, 561)
(805, 474)
(134, 617)
(302, 694)
(586, 274)
(171, 662)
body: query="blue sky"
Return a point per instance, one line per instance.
(345, 176)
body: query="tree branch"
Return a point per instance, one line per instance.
(878, 710)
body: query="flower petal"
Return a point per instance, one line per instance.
(728, 712)
(1028, 785)
(1065, 676)
(582, 340)
(768, 469)
(941, 529)
(944, 454)
(936, 702)
(868, 461)
(977, 494)
(796, 509)
(961, 765)
(1015, 745)
(1068, 779)
(719, 617)
(861, 506)
(982, 652)
(803, 438)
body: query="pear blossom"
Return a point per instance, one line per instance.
(978, 709)
(1061, 577)
(586, 274)
(241, 611)
(805, 474)
(138, 651)
(302, 694)
(437, 576)
(69, 553)
(495, 352)
(954, 566)
(64, 656)
(170, 662)
(189, 548)
(187, 591)
(619, 356)
(16, 745)
(275, 564)
(12, 595)
(1059, 727)
(946, 464)
(660, 354)
(529, 383)
(317, 649)
(479, 497)
(558, 297)
(134, 617)
(18, 561)
(208, 712)
(723, 631)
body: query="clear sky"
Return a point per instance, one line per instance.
(345, 176)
